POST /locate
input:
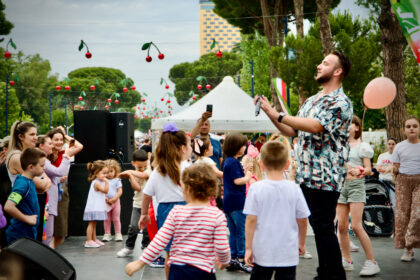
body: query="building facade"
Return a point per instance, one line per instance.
(213, 26)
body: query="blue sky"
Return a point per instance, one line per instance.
(114, 32)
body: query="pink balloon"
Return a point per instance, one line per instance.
(379, 93)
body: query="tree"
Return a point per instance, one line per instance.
(267, 17)
(13, 112)
(412, 82)
(297, 61)
(5, 25)
(184, 75)
(323, 11)
(393, 42)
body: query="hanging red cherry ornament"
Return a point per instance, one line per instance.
(161, 56)
(143, 100)
(109, 100)
(208, 86)
(92, 87)
(133, 88)
(106, 106)
(76, 107)
(7, 54)
(117, 101)
(162, 99)
(67, 88)
(199, 87)
(144, 108)
(125, 89)
(167, 86)
(194, 98)
(58, 88)
(169, 106)
(80, 98)
(82, 108)
(12, 83)
(88, 55)
(148, 58)
(169, 101)
(219, 53)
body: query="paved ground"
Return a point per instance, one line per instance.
(102, 263)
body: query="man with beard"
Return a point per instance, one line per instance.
(322, 126)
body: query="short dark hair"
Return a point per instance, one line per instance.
(200, 181)
(356, 120)
(345, 63)
(233, 143)
(31, 156)
(140, 155)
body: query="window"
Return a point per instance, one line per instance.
(229, 30)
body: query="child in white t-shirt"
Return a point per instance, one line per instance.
(275, 207)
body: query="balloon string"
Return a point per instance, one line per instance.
(363, 119)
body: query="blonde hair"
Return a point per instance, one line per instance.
(112, 163)
(274, 155)
(256, 169)
(94, 168)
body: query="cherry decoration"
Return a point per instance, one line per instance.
(12, 83)
(67, 88)
(58, 88)
(133, 88)
(125, 89)
(82, 44)
(109, 100)
(80, 98)
(117, 101)
(147, 46)
(8, 54)
(92, 87)
(199, 87)
(208, 86)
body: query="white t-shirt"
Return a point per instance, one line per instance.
(163, 188)
(408, 156)
(384, 160)
(205, 160)
(277, 205)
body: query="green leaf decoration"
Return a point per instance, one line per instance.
(200, 78)
(17, 78)
(67, 80)
(117, 95)
(145, 46)
(1, 40)
(12, 44)
(96, 81)
(83, 93)
(213, 44)
(123, 81)
(161, 80)
(81, 45)
(145, 94)
(191, 93)
(94, 108)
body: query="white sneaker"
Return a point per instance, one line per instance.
(91, 244)
(307, 255)
(370, 268)
(118, 237)
(107, 237)
(348, 266)
(408, 256)
(125, 252)
(353, 247)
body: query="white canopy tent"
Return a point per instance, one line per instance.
(233, 110)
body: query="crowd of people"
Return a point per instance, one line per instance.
(207, 202)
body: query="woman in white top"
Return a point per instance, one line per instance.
(353, 198)
(385, 168)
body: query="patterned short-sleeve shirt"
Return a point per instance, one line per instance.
(322, 156)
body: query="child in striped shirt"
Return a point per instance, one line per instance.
(198, 231)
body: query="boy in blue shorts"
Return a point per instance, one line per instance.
(22, 203)
(275, 227)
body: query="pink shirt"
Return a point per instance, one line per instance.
(199, 236)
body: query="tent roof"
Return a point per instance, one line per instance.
(233, 110)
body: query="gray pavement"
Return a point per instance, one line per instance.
(102, 263)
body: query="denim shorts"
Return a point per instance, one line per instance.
(162, 212)
(353, 191)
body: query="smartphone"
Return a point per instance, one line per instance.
(209, 108)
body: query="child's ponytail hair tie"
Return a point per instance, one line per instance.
(170, 127)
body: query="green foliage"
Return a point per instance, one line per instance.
(143, 124)
(357, 38)
(107, 81)
(184, 75)
(5, 25)
(255, 47)
(14, 109)
(412, 82)
(246, 14)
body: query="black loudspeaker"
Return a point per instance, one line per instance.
(123, 130)
(93, 130)
(36, 260)
(79, 190)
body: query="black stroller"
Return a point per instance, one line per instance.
(378, 215)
